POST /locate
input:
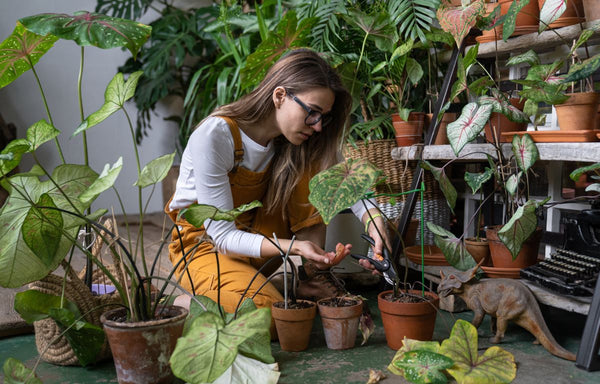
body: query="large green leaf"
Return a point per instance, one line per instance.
(424, 367)
(20, 51)
(468, 126)
(520, 226)
(342, 185)
(445, 184)
(510, 19)
(15, 372)
(34, 305)
(500, 104)
(93, 29)
(289, 34)
(586, 68)
(581, 170)
(117, 93)
(495, 366)
(551, 10)
(411, 345)
(155, 170)
(530, 57)
(458, 21)
(453, 249)
(13, 151)
(19, 265)
(196, 214)
(525, 151)
(42, 227)
(103, 182)
(476, 180)
(210, 346)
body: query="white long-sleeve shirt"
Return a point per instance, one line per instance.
(203, 177)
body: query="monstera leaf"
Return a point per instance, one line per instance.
(342, 185)
(468, 126)
(520, 226)
(453, 248)
(525, 151)
(458, 21)
(445, 184)
(495, 366)
(93, 29)
(20, 51)
(510, 19)
(551, 10)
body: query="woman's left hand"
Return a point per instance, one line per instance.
(378, 232)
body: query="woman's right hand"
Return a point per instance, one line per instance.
(318, 256)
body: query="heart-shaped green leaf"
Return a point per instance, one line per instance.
(411, 345)
(93, 29)
(530, 57)
(34, 305)
(476, 180)
(103, 182)
(500, 104)
(196, 214)
(512, 184)
(155, 171)
(520, 226)
(15, 372)
(453, 249)
(424, 367)
(20, 51)
(342, 185)
(445, 184)
(41, 132)
(458, 21)
(468, 126)
(525, 151)
(42, 229)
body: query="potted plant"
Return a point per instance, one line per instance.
(340, 317)
(42, 219)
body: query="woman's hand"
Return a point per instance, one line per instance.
(319, 257)
(377, 230)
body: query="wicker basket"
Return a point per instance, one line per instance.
(53, 348)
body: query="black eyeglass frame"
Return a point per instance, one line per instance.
(309, 111)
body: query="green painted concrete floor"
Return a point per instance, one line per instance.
(320, 365)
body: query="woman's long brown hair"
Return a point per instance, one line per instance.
(298, 71)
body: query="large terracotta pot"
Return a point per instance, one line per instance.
(141, 350)
(578, 112)
(411, 320)
(340, 323)
(502, 124)
(591, 9)
(572, 15)
(527, 19)
(501, 256)
(294, 325)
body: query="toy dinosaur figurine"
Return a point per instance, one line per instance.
(503, 300)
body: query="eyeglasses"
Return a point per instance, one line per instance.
(312, 116)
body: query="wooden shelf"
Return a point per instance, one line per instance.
(586, 152)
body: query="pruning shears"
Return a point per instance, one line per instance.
(381, 263)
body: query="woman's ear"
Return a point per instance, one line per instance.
(279, 95)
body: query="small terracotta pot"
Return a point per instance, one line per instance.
(578, 112)
(340, 323)
(591, 9)
(572, 15)
(294, 325)
(408, 132)
(501, 123)
(479, 249)
(141, 350)
(411, 320)
(527, 19)
(501, 256)
(442, 137)
(413, 116)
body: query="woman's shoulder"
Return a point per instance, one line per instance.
(212, 129)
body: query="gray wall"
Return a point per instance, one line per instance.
(21, 104)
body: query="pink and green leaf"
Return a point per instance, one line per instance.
(458, 21)
(468, 126)
(511, 17)
(586, 68)
(452, 247)
(500, 104)
(520, 226)
(550, 12)
(525, 151)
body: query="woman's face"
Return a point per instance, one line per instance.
(292, 115)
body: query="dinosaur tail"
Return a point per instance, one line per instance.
(542, 333)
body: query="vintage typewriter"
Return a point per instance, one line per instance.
(573, 268)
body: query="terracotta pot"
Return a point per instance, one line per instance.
(411, 233)
(408, 132)
(413, 116)
(141, 350)
(340, 323)
(501, 256)
(411, 320)
(591, 9)
(572, 15)
(578, 112)
(294, 325)
(502, 124)
(479, 249)
(527, 19)
(441, 138)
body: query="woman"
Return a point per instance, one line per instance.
(265, 146)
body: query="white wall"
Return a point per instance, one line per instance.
(21, 104)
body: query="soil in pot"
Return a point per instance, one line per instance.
(409, 315)
(501, 256)
(141, 350)
(340, 317)
(578, 112)
(294, 324)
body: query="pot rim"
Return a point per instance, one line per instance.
(106, 320)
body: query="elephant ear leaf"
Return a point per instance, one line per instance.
(551, 10)
(468, 126)
(453, 249)
(445, 184)
(520, 226)
(93, 29)
(495, 366)
(20, 51)
(424, 366)
(458, 21)
(525, 151)
(511, 18)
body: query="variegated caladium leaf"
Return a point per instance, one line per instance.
(530, 57)
(445, 184)
(20, 51)
(512, 184)
(541, 92)
(500, 104)
(583, 37)
(93, 29)
(458, 21)
(518, 229)
(551, 10)
(476, 180)
(468, 126)
(581, 170)
(342, 185)
(586, 68)
(510, 19)
(453, 248)
(196, 214)
(424, 366)
(525, 151)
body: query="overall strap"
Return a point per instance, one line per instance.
(238, 150)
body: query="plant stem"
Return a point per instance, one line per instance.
(81, 114)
